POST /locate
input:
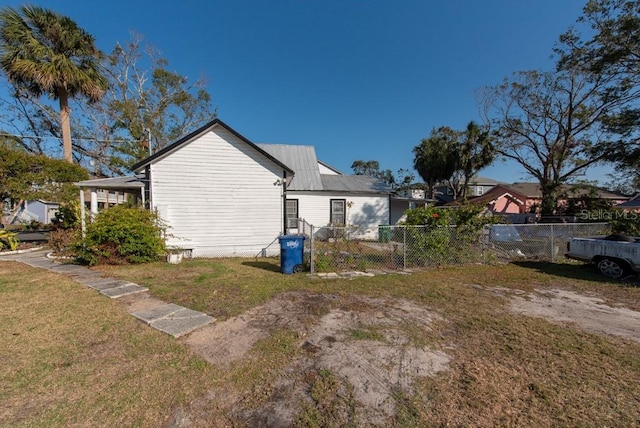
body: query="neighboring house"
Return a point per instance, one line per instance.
(478, 186)
(502, 199)
(101, 193)
(522, 198)
(570, 191)
(632, 204)
(407, 198)
(45, 211)
(413, 191)
(39, 210)
(223, 195)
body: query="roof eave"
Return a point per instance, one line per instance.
(138, 167)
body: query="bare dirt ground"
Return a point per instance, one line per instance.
(370, 347)
(364, 344)
(588, 312)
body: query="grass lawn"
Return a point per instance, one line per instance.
(73, 357)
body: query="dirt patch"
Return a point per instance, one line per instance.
(588, 312)
(225, 342)
(362, 352)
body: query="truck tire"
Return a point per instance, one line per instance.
(612, 268)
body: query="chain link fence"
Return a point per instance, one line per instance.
(330, 249)
(506, 242)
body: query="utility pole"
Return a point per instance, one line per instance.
(148, 131)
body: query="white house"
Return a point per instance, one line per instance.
(323, 196)
(222, 195)
(219, 193)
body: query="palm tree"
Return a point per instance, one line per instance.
(47, 53)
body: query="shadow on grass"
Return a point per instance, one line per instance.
(584, 272)
(271, 267)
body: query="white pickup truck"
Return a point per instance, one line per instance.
(615, 255)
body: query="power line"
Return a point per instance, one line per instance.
(4, 134)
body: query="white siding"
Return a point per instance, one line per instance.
(399, 208)
(325, 170)
(218, 196)
(367, 211)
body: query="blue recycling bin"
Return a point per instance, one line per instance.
(291, 253)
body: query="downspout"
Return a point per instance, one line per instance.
(284, 203)
(83, 222)
(147, 185)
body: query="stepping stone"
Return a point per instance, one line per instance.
(103, 283)
(123, 290)
(39, 263)
(367, 274)
(69, 269)
(331, 275)
(157, 313)
(169, 318)
(173, 319)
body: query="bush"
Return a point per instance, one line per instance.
(626, 224)
(8, 240)
(121, 235)
(439, 236)
(67, 216)
(35, 225)
(62, 240)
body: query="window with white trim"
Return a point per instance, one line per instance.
(338, 212)
(292, 213)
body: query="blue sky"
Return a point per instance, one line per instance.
(356, 79)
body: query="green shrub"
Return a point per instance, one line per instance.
(445, 235)
(626, 224)
(67, 216)
(8, 240)
(122, 235)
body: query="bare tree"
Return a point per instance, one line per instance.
(144, 100)
(551, 124)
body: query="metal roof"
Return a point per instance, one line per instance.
(353, 184)
(302, 160)
(128, 182)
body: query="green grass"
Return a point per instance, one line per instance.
(366, 333)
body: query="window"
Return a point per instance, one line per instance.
(292, 213)
(338, 211)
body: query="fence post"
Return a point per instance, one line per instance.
(552, 246)
(485, 237)
(404, 248)
(312, 254)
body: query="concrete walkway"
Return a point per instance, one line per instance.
(166, 317)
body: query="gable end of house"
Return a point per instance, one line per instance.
(140, 166)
